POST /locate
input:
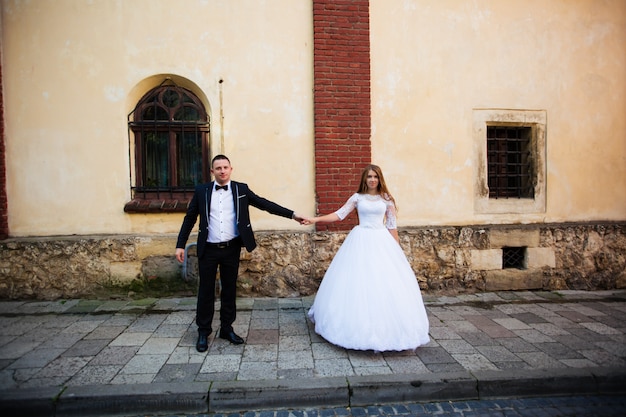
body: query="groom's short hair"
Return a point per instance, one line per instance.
(218, 157)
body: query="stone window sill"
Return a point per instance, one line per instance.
(138, 205)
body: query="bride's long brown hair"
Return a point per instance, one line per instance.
(382, 185)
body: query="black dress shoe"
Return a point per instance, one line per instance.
(203, 343)
(231, 337)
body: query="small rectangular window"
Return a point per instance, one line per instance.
(509, 162)
(513, 257)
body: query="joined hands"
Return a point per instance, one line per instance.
(304, 220)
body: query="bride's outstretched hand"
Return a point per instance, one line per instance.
(308, 220)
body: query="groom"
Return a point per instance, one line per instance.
(222, 206)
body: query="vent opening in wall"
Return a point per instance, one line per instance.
(513, 257)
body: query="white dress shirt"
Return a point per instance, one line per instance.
(222, 226)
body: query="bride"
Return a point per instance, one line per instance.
(369, 298)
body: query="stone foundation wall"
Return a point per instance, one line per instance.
(445, 259)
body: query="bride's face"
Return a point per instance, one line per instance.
(372, 181)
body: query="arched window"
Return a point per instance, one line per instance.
(170, 129)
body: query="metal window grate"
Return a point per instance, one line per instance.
(513, 257)
(509, 162)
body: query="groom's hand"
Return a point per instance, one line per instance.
(180, 255)
(298, 218)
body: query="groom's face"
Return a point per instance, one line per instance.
(221, 170)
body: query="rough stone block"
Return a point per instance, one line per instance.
(540, 258)
(500, 238)
(162, 267)
(486, 260)
(513, 279)
(620, 281)
(153, 246)
(124, 272)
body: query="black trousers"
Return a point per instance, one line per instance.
(227, 260)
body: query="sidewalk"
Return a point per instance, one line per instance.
(87, 357)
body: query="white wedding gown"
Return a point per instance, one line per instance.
(369, 298)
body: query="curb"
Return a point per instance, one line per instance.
(28, 402)
(94, 401)
(381, 389)
(102, 400)
(356, 391)
(234, 396)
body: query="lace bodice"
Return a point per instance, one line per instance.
(374, 211)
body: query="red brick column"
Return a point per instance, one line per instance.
(4, 220)
(341, 65)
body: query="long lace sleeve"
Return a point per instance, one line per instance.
(348, 207)
(390, 215)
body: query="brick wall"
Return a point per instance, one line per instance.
(4, 221)
(341, 64)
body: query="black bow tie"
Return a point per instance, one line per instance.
(221, 187)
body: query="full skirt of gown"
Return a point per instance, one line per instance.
(369, 298)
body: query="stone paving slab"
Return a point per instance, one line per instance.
(75, 357)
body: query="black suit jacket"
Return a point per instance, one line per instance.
(243, 198)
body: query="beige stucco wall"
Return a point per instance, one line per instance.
(434, 62)
(74, 70)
